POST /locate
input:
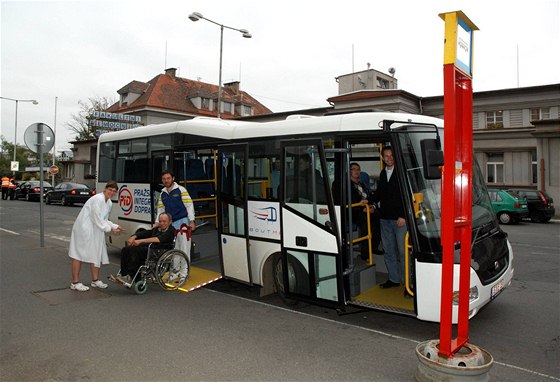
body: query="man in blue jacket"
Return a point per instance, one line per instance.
(175, 200)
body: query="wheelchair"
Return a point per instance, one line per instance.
(165, 265)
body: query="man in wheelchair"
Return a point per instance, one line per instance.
(136, 250)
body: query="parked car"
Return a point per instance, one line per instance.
(541, 206)
(508, 205)
(68, 193)
(31, 190)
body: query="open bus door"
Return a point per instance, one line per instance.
(161, 160)
(233, 226)
(310, 234)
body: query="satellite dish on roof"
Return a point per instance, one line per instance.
(392, 71)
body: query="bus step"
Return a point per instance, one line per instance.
(362, 280)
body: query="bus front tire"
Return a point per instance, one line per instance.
(298, 279)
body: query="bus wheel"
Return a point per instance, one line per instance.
(297, 279)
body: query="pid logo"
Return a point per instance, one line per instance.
(125, 200)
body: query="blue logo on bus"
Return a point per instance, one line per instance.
(268, 214)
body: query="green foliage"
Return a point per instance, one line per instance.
(24, 156)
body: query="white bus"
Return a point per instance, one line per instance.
(243, 177)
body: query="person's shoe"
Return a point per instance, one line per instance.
(123, 279)
(79, 287)
(99, 284)
(389, 284)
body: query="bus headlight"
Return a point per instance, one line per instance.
(473, 295)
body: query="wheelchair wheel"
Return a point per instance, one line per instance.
(172, 269)
(140, 287)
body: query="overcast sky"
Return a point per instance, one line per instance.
(75, 50)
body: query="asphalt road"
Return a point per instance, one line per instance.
(227, 332)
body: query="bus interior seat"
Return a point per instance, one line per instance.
(195, 171)
(209, 167)
(364, 178)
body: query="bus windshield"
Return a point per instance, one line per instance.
(426, 193)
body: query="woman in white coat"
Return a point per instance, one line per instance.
(87, 243)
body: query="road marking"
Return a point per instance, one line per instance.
(8, 231)
(373, 331)
(56, 237)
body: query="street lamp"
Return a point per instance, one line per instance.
(195, 16)
(15, 128)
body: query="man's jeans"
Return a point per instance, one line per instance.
(392, 237)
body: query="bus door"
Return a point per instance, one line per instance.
(233, 226)
(161, 160)
(311, 252)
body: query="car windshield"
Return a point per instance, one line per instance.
(37, 183)
(514, 194)
(80, 186)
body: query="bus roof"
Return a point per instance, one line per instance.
(293, 125)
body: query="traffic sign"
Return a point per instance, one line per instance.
(39, 134)
(14, 166)
(53, 169)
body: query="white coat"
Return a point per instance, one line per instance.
(87, 242)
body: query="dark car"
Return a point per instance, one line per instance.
(31, 190)
(541, 207)
(510, 208)
(68, 193)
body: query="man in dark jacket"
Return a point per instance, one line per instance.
(393, 223)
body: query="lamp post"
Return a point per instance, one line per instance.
(34, 102)
(195, 16)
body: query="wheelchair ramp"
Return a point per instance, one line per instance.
(199, 277)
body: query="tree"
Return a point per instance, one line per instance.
(24, 156)
(80, 121)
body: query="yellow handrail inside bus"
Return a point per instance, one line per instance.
(368, 236)
(407, 248)
(211, 198)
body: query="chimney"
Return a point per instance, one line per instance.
(171, 72)
(234, 85)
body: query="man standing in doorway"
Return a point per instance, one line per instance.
(393, 223)
(175, 200)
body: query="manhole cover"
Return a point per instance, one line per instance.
(66, 295)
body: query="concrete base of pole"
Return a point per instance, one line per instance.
(470, 363)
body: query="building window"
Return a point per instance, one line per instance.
(205, 103)
(382, 83)
(494, 119)
(534, 167)
(247, 110)
(227, 107)
(495, 168)
(540, 114)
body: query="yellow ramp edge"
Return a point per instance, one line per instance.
(389, 297)
(199, 277)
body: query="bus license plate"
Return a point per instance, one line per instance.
(497, 289)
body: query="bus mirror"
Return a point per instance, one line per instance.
(432, 158)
